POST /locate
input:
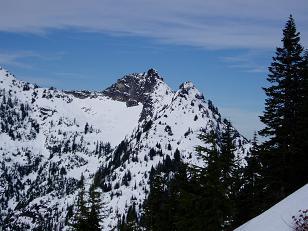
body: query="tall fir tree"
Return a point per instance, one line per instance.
(214, 205)
(302, 130)
(94, 218)
(156, 203)
(81, 218)
(231, 171)
(130, 221)
(182, 199)
(88, 211)
(281, 115)
(227, 152)
(250, 198)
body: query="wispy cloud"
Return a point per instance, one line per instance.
(17, 58)
(245, 62)
(209, 24)
(21, 58)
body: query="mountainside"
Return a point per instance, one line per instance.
(48, 138)
(283, 215)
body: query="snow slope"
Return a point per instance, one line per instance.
(279, 217)
(113, 118)
(31, 159)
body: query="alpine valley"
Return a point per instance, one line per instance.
(113, 139)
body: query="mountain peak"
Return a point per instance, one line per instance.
(188, 88)
(152, 73)
(6, 73)
(187, 85)
(134, 88)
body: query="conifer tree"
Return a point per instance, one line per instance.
(214, 205)
(184, 195)
(231, 171)
(301, 164)
(227, 156)
(250, 199)
(155, 206)
(81, 223)
(94, 217)
(88, 212)
(130, 221)
(281, 115)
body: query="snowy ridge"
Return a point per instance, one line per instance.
(59, 135)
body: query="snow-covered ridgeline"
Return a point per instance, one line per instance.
(138, 113)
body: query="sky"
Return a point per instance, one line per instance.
(224, 47)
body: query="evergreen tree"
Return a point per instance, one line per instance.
(231, 171)
(156, 206)
(130, 221)
(88, 211)
(165, 208)
(250, 198)
(214, 204)
(184, 200)
(281, 115)
(81, 223)
(227, 149)
(300, 175)
(86, 128)
(94, 217)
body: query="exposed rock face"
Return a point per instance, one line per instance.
(134, 89)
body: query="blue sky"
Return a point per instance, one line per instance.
(223, 47)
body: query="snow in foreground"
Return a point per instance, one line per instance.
(279, 217)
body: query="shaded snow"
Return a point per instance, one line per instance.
(279, 217)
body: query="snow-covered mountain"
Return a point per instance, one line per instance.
(48, 138)
(282, 216)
